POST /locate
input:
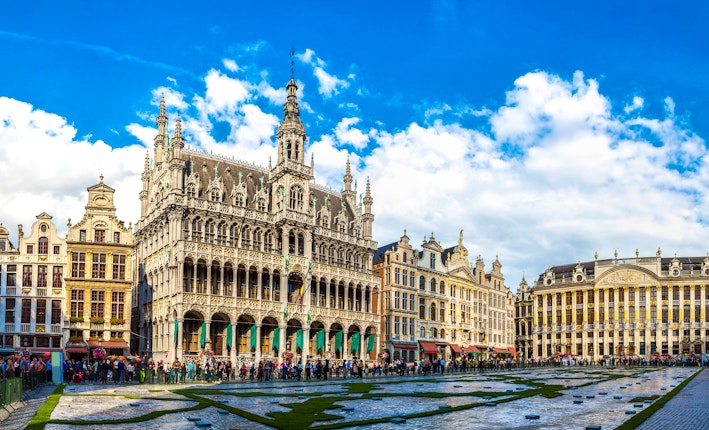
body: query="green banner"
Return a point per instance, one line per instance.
(177, 328)
(276, 338)
(253, 337)
(338, 341)
(355, 342)
(321, 340)
(203, 335)
(228, 335)
(299, 340)
(370, 343)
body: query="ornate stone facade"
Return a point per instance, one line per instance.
(98, 278)
(623, 307)
(250, 263)
(437, 304)
(32, 288)
(523, 303)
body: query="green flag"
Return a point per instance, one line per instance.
(276, 338)
(321, 340)
(299, 340)
(177, 328)
(355, 342)
(253, 337)
(338, 341)
(228, 335)
(203, 335)
(370, 343)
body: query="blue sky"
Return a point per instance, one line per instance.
(545, 130)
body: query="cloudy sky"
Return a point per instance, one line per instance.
(546, 131)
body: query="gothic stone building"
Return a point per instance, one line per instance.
(249, 263)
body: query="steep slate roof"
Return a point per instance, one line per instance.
(379, 255)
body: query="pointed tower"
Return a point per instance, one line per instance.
(348, 193)
(145, 177)
(161, 138)
(177, 164)
(291, 132)
(367, 216)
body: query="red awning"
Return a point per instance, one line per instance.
(404, 346)
(115, 344)
(77, 349)
(481, 347)
(514, 352)
(108, 344)
(429, 347)
(501, 350)
(471, 349)
(456, 348)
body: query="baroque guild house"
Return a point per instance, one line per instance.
(246, 263)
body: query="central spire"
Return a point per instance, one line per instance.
(291, 132)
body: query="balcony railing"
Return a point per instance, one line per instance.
(56, 328)
(25, 328)
(11, 291)
(41, 292)
(9, 327)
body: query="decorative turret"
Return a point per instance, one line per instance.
(143, 195)
(348, 193)
(161, 138)
(177, 164)
(367, 216)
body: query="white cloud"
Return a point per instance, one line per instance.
(44, 167)
(230, 65)
(638, 103)
(329, 85)
(348, 134)
(173, 98)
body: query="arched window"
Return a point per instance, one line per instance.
(422, 283)
(433, 285)
(261, 204)
(296, 198)
(433, 312)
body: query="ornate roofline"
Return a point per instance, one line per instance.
(191, 151)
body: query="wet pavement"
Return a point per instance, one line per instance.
(576, 397)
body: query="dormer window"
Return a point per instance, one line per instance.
(215, 195)
(239, 200)
(433, 261)
(99, 235)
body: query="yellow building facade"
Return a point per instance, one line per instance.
(98, 278)
(623, 308)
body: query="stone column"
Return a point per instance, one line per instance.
(305, 353)
(258, 343)
(180, 336)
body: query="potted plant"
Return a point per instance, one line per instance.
(76, 319)
(117, 321)
(97, 320)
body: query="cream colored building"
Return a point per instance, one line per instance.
(98, 278)
(247, 262)
(438, 304)
(32, 288)
(623, 307)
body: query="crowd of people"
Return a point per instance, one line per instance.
(125, 370)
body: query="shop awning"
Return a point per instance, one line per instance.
(409, 346)
(429, 347)
(513, 352)
(77, 349)
(481, 347)
(456, 348)
(471, 350)
(501, 350)
(115, 344)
